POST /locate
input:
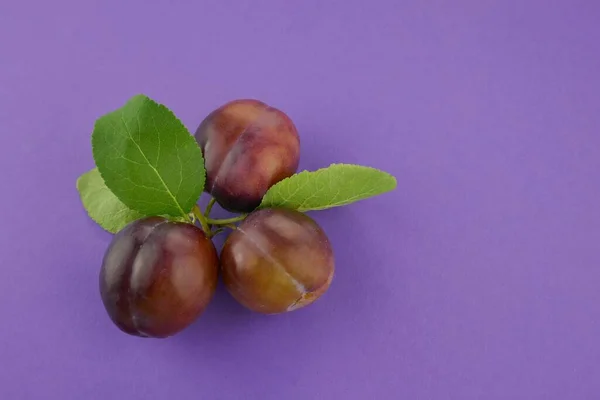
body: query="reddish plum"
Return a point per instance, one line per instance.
(158, 276)
(248, 146)
(277, 260)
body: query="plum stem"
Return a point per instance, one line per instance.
(203, 221)
(226, 221)
(209, 207)
(216, 232)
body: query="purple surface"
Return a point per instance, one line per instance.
(477, 279)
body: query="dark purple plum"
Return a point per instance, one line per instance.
(277, 260)
(248, 146)
(158, 276)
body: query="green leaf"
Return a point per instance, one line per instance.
(102, 205)
(148, 158)
(336, 185)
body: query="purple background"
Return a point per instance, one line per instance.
(477, 279)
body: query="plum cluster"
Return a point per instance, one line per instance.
(158, 275)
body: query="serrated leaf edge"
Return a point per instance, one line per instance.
(119, 109)
(325, 168)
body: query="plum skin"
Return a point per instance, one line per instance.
(277, 260)
(157, 277)
(248, 146)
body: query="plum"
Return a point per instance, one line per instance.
(158, 276)
(248, 146)
(277, 260)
